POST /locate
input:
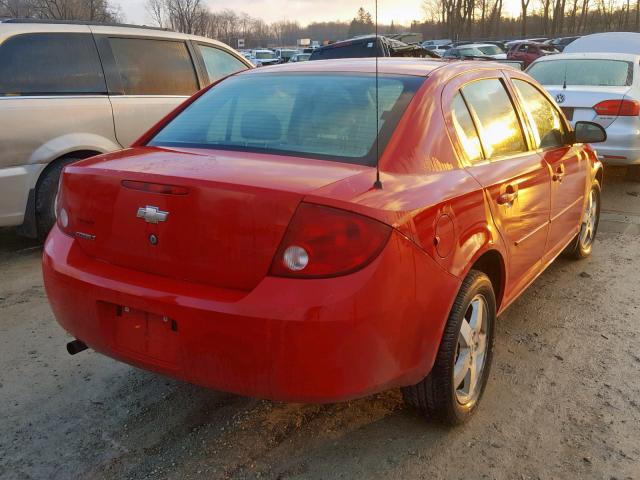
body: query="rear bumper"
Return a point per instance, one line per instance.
(319, 340)
(623, 143)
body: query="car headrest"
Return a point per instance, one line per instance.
(260, 126)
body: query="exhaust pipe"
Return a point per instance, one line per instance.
(76, 346)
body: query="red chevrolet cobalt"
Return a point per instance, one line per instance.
(244, 244)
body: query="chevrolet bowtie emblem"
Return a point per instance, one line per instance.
(152, 214)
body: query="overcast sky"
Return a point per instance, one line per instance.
(306, 11)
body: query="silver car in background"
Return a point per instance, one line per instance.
(70, 90)
(602, 88)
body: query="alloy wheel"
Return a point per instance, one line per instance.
(589, 219)
(471, 352)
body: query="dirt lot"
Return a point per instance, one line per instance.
(563, 399)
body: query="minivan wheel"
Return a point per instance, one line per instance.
(452, 391)
(582, 244)
(46, 195)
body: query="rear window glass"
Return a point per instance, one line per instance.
(154, 67)
(491, 50)
(589, 72)
(327, 116)
(360, 49)
(50, 64)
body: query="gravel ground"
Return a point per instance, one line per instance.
(563, 399)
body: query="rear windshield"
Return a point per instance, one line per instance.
(359, 49)
(492, 50)
(325, 116)
(470, 52)
(590, 72)
(265, 55)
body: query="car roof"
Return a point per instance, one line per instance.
(476, 45)
(387, 66)
(10, 28)
(591, 55)
(620, 42)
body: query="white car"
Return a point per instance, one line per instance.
(437, 49)
(479, 50)
(602, 88)
(264, 57)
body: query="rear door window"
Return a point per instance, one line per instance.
(548, 128)
(50, 64)
(219, 63)
(496, 120)
(154, 67)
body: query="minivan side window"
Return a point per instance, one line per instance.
(465, 129)
(154, 67)
(219, 63)
(50, 64)
(548, 129)
(496, 120)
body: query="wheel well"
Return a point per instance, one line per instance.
(491, 264)
(80, 155)
(600, 176)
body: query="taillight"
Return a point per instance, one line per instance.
(618, 108)
(62, 214)
(326, 242)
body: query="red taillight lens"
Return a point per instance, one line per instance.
(618, 108)
(326, 242)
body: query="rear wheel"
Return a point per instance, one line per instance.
(452, 390)
(46, 195)
(582, 245)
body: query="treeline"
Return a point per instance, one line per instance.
(464, 19)
(85, 10)
(193, 16)
(455, 19)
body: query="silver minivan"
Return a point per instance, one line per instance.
(69, 91)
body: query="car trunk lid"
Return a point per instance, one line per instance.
(577, 102)
(197, 215)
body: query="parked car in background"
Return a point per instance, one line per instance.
(527, 52)
(475, 50)
(437, 49)
(603, 88)
(264, 57)
(70, 91)
(285, 54)
(300, 57)
(440, 41)
(370, 46)
(242, 245)
(560, 43)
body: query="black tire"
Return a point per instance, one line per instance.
(578, 249)
(436, 395)
(46, 193)
(633, 173)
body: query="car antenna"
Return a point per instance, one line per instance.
(377, 184)
(564, 84)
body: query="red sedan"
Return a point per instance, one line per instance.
(244, 245)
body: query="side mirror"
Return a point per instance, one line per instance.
(589, 132)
